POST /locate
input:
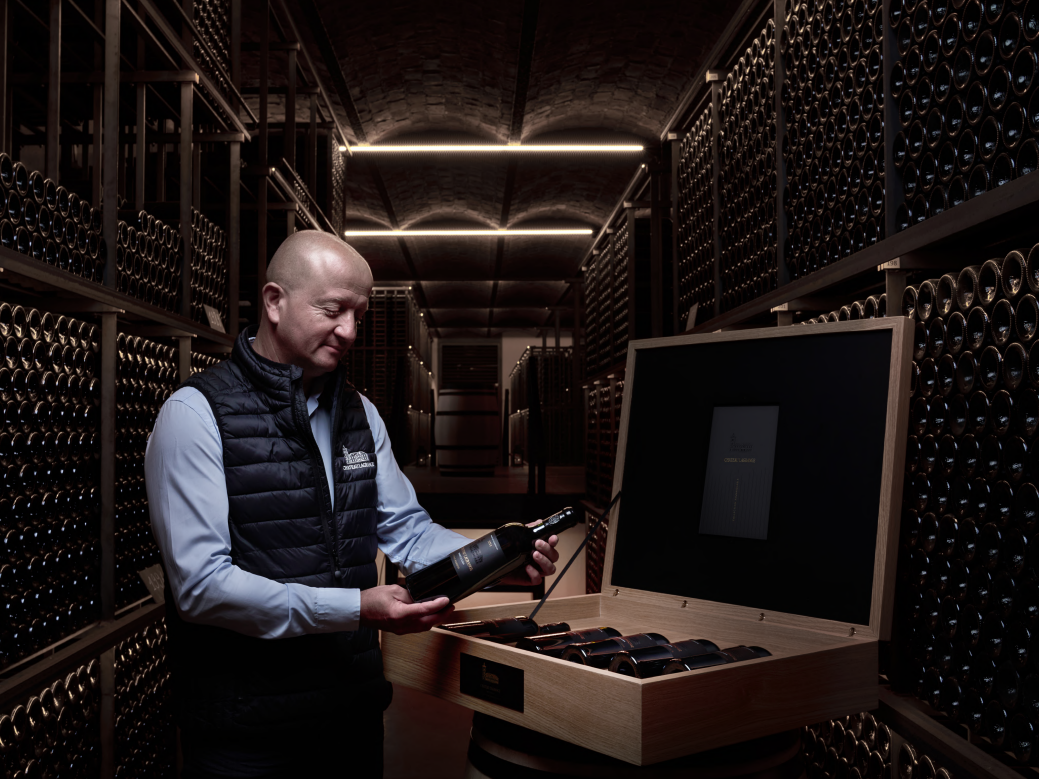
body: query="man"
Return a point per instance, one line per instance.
(269, 542)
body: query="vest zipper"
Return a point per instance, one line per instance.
(299, 405)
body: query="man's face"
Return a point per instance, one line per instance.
(317, 319)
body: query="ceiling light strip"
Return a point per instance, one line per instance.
(498, 148)
(427, 233)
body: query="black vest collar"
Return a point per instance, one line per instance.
(267, 374)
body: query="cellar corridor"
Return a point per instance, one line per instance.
(768, 269)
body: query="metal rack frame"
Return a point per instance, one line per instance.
(1002, 208)
(278, 177)
(27, 281)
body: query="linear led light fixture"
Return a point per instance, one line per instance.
(586, 148)
(410, 233)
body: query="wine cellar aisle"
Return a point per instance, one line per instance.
(554, 200)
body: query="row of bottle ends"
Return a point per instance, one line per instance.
(639, 655)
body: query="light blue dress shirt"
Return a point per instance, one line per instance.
(187, 498)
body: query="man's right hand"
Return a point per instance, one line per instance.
(391, 608)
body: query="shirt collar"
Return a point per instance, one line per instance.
(317, 388)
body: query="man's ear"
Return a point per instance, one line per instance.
(273, 295)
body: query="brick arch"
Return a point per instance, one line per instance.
(598, 70)
(416, 66)
(606, 64)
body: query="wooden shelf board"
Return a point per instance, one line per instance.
(909, 719)
(91, 643)
(18, 268)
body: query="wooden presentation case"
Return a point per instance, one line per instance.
(819, 668)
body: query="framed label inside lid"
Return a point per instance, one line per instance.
(738, 483)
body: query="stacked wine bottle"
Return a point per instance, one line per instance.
(49, 223)
(834, 145)
(747, 178)
(212, 52)
(966, 98)
(598, 299)
(553, 369)
(50, 504)
(338, 190)
(602, 421)
(56, 732)
(696, 217)
(145, 734)
(967, 633)
(200, 362)
(641, 655)
(393, 321)
(148, 260)
(147, 376)
(602, 425)
(306, 203)
(871, 308)
(968, 588)
(621, 304)
(591, 444)
(833, 748)
(913, 762)
(208, 268)
(595, 557)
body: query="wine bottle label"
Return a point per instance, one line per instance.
(476, 560)
(738, 484)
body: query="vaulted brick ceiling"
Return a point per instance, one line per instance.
(599, 71)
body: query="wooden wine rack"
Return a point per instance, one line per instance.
(555, 375)
(190, 114)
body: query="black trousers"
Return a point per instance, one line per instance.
(351, 748)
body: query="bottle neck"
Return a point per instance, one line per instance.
(555, 524)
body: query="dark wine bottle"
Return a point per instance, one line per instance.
(708, 660)
(733, 654)
(506, 630)
(599, 654)
(506, 638)
(742, 652)
(650, 661)
(485, 560)
(554, 644)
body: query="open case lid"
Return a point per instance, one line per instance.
(821, 549)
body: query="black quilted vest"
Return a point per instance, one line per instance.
(284, 528)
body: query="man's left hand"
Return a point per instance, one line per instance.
(545, 557)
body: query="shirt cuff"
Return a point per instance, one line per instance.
(337, 609)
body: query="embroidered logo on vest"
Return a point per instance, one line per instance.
(355, 460)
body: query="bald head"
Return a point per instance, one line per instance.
(311, 258)
(317, 291)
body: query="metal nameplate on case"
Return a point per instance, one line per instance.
(491, 681)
